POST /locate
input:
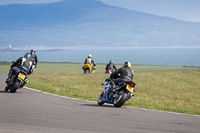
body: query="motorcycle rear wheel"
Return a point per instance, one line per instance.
(120, 99)
(100, 101)
(14, 87)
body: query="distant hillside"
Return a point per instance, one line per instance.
(89, 23)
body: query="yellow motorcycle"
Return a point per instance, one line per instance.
(89, 68)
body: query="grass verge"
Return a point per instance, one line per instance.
(174, 89)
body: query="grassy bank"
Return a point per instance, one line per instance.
(49, 68)
(175, 89)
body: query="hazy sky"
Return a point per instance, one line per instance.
(5, 2)
(188, 10)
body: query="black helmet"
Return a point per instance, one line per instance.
(32, 51)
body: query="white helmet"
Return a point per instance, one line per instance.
(27, 55)
(89, 56)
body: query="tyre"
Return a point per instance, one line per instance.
(120, 99)
(14, 87)
(87, 71)
(6, 88)
(101, 99)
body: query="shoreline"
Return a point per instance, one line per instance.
(5, 62)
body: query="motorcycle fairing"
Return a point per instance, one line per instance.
(107, 87)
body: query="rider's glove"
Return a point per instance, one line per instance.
(108, 79)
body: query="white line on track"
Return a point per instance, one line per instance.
(57, 95)
(96, 102)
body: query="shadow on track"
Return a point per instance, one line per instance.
(96, 105)
(4, 91)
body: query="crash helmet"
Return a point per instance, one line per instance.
(111, 61)
(27, 55)
(89, 56)
(127, 64)
(32, 51)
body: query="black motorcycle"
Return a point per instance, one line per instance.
(17, 80)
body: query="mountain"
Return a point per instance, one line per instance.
(90, 23)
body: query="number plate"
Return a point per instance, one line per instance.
(21, 76)
(130, 88)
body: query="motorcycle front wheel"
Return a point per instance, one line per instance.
(101, 99)
(120, 99)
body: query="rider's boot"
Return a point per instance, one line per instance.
(7, 79)
(9, 76)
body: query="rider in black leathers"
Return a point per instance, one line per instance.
(33, 57)
(34, 60)
(111, 66)
(21, 63)
(126, 74)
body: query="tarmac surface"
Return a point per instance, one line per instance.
(29, 111)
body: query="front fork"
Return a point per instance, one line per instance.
(107, 95)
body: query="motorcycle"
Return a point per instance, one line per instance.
(89, 68)
(18, 79)
(119, 95)
(110, 71)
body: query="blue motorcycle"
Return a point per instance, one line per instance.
(119, 95)
(18, 79)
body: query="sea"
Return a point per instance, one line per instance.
(137, 56)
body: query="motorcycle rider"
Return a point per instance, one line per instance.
(126, 74)
(33, 57)
(111, 66)
(89, 60)
(21, 63)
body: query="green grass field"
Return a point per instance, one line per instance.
(174, 89)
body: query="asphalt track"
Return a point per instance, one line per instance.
(29, 111)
